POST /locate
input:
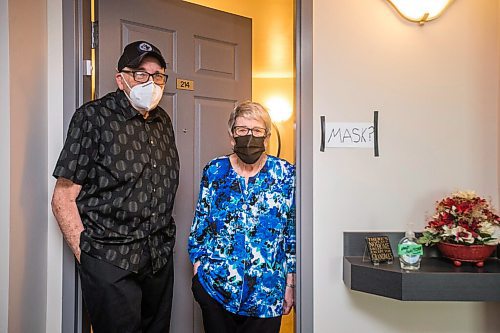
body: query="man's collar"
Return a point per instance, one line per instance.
(154, 114)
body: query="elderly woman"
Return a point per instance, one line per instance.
(242, 241)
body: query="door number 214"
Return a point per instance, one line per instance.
(185, 84)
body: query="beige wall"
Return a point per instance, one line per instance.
(4, 165)
(437, 91)
(28, 166)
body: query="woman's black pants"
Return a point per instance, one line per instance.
(216, 319)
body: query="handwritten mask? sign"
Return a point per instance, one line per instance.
(351, 135)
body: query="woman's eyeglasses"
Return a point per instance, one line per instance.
(258, 132)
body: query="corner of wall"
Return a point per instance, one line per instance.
(55, 78)
(5, 166)
(498, 103)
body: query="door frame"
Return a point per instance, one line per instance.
(72, 97)
(304, 160)
(72, 48)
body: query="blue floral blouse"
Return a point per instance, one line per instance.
(244, 236)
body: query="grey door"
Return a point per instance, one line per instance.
(213, 50)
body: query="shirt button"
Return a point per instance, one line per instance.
(246, 192)
(244, 206)
(154, 165)
(153, 214)
(154, 190)
(151, 141)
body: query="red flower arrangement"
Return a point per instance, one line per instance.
(463, 218)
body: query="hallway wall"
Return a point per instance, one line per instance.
(437, 90)
(28, 165)
(4, 165)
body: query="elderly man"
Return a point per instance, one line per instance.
(117, 176)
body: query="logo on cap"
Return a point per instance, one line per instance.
(145, 47)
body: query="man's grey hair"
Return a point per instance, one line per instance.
(249, 110)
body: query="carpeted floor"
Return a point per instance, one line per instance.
(288, 323)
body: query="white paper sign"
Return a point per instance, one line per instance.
(352, 135)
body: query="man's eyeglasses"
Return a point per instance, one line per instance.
(143, 77)
(258, 132)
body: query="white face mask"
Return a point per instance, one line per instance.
(145, 96)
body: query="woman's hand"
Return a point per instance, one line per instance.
(195, 267)
(289, 301)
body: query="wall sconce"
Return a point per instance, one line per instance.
(420, 11)
(280, 111)
(279, 108)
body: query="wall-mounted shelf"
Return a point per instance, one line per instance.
(437, 279)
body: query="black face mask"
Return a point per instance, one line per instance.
(249, 148)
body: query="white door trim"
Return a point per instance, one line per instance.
(55, 141)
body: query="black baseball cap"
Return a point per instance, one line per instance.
(136, 51)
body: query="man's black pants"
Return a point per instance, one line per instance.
(216, 319)
(124, 302)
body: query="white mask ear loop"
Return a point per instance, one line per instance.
(123, 77)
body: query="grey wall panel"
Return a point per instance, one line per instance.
(305, 217)
(211, 135)
(169, 103)
(215, 57)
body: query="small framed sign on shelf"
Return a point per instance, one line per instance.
(379, 249)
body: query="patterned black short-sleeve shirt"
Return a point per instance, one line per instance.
(128, 168)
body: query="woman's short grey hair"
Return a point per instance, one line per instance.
(250, 110)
